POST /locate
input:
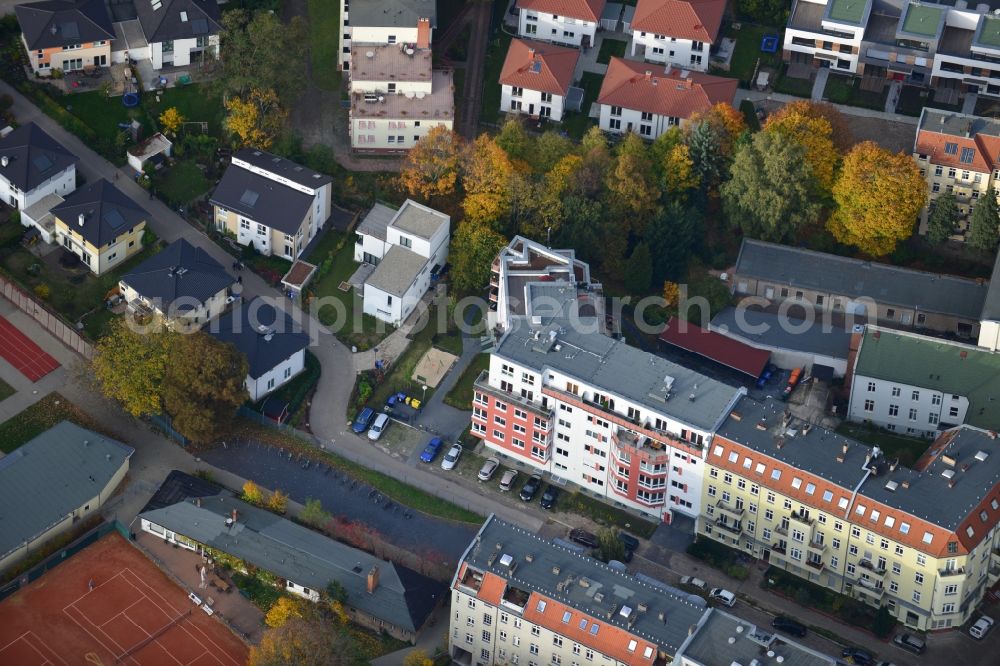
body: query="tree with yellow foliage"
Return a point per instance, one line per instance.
(634, 195)
(284, 609)
(843, 137)
(671, 292)
(315, 641)
(252, 493)
(278, 502)
(418, 658)
(256, 119)
(486, 176)
(171, 120)
(878, 196)
(431, 167)
(815, 136)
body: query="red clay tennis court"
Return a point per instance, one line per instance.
(28, 358)
(134, 615)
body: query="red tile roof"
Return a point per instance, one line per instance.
(715, 346)
(588, 10)
(635, 85)
(553, 72)
(492, 588)
(932, 144)
(697, 20)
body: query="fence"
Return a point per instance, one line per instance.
(57, 558)
(47, 318)
(163, 423)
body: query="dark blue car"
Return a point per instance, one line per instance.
(431, 450)
(363, 421)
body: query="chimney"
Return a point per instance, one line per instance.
(423, 33)
(844, 449)
(531, 52)
(80, 218)
(649, 75)
(372, 579)
(197, 502)
(235, 514)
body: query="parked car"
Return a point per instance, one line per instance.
(488, 469)
(911, 643)
(764, 378)
(981, 627)
(584, 538)
(451, 458)
(431, 450)
(722, 595)
(379, 427)
(694, 582)
(789, 626)
(859, 656)
(793, 380)
(549, 497)
(629, 541)
(507, 480)
(530, 488)
(363, 420)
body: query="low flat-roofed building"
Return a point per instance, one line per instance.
(395, 121)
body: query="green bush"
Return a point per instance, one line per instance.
(738, 572)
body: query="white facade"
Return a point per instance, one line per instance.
(398, 134)
(531, 102)
(277, 376)
(556, 29)
(618, 120)
(683, 53)
(393, 309)
(60, 184)
(904, 408)
(181, 52)
(845, 37)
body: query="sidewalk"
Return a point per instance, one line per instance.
(758, 95)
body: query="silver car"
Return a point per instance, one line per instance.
(507, 480)
(488, 469)
(451, 458)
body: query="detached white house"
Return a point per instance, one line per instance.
(405, 246)
(676, 32)
(272, 203)
(536, 78)
(572, 22)
(34, 165)
(274, 344)
(178, 32)
(641, 98)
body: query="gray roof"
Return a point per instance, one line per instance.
(498, 538)
(885, 284)
(957, 124)
(795, 335)
(266, 336)
(396, 271)
(376, 221)
(402, 598)
(64, 22)
(413, 218)
(725, 639)
(284, 167)
(991, 306)
(107, 212)
(392, 13)
(48, 478)
(32, 157)
(178, 19)
(619, 370)
(261, 199)
(180, 271)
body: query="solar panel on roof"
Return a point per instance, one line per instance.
(967, 155)
(114, 219)
(536, 66)
(249, 198)
(70, 30)
(199, 26)
(42, 162)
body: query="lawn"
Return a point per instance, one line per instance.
(6, 390)
(606, 515)
(844, 90)
(747, 51)
(96, 323)
(400, 375)
(102, 114)
(912, 100)
(350, 325)
(609, 48)
(495, 54)
(907, 449)
(791, 86)
(38, 418)
(460, 395)
(197, 103)
(324, 42)
(577, 124)
(181, 183)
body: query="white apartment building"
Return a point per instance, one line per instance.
(33, 165)
(635, 98)
(571, 22)
(677, 33)
(373, 22)
(952, 384)
(536, 79)
(622, 424)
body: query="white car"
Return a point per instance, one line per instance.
(694, 582)
(722, 595)
(981, 627)
(451, 458)
(379, 427)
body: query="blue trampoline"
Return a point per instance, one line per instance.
(130, 99)
(769, 44)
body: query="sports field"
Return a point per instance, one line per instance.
(109, 604)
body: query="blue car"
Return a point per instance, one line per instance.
(431, 450)
(363, 420)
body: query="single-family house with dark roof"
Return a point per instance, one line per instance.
(271, 203)
(536, 78)
(63, 475)
(33, 165)
(381, 595)
(100, 224)
(274, 344)
(179, 32)
(68, 35)
(182, 284)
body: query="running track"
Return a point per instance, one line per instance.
(27, 357)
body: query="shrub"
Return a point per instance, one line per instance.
(43, 291)
(884, 622)
(738, 572)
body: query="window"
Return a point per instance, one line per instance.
(487, 637)
(893, 410)
(869, 405)
(871, 385)
(616, 110)
(950, 590)
(916, 596)
(895, 391)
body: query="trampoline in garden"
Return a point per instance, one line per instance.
(769, 44)
(130, 100)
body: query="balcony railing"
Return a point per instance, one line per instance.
(725, 508)
(482, 384)
(799, 518)
(869, 566)
(955, 571)
(815, 564)
(736, 529)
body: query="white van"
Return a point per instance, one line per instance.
(724, 596)
(981, 627)
(381, 423)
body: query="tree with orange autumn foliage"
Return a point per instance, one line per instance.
(815, 136)
(256, 119)
(841, 134)
(314, 641)
(431, 167)
(486, 177)
(878, 197)
(726, 123)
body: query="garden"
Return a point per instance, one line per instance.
(721, 557)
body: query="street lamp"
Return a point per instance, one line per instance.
(423, 398)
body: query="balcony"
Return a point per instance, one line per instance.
(735, 530)
(867, 592)
(816, 547)
(953, 572)
(816, 565)
(482, 384)
(494, 280)
(634, 442)
(737, 514)
(799, 518)
(869, 567)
